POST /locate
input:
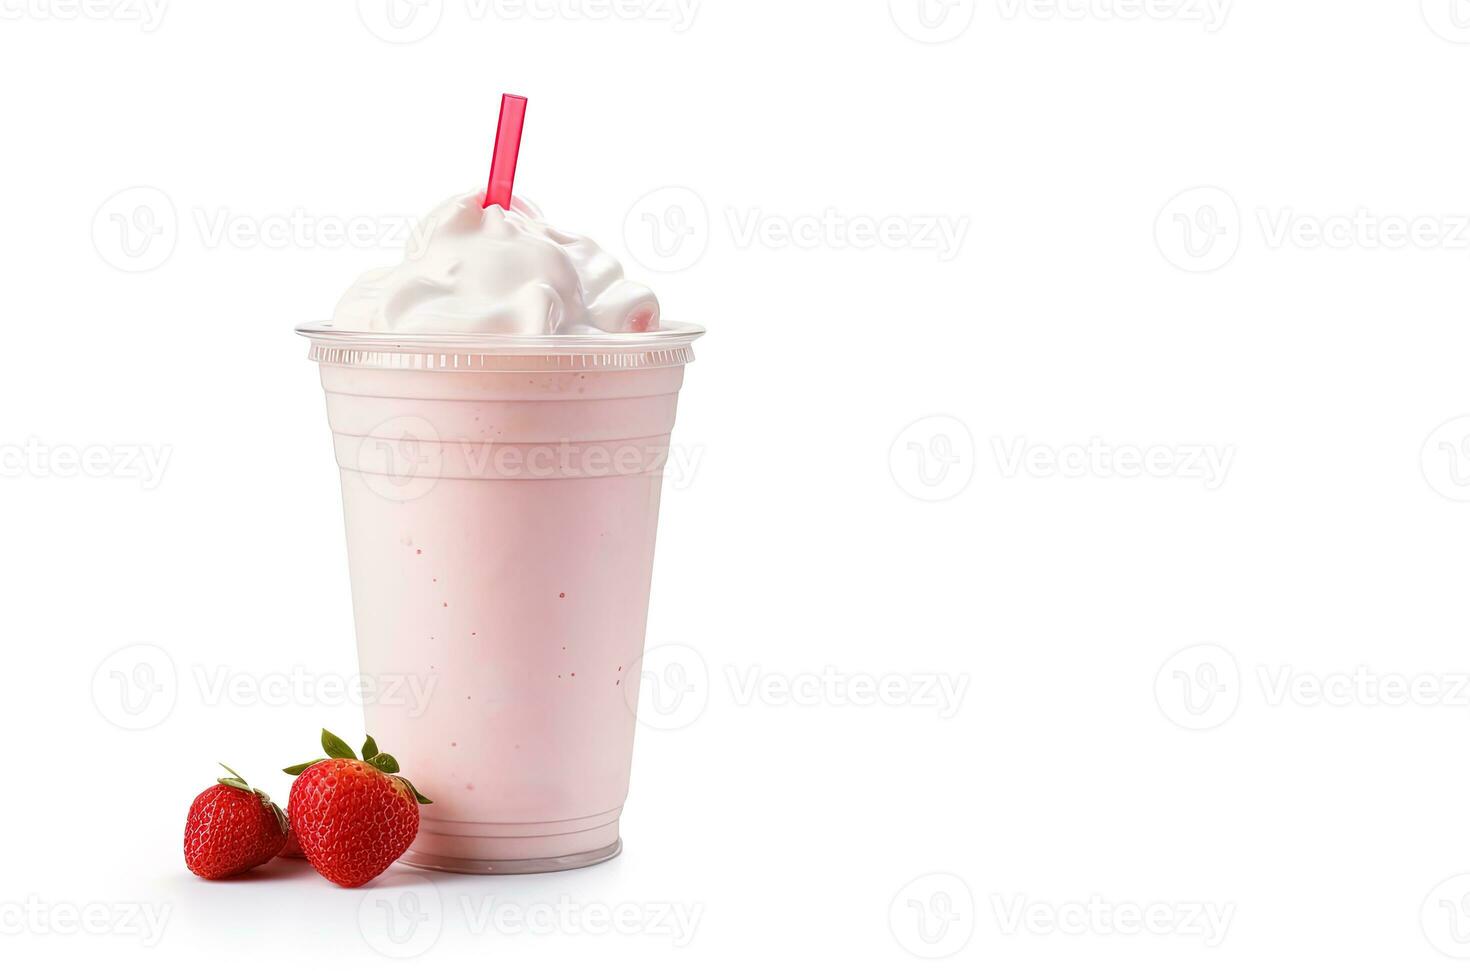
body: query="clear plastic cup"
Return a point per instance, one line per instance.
(501, 500)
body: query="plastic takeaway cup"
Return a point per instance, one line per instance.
(501, 496)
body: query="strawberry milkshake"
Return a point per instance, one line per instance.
(500, 404)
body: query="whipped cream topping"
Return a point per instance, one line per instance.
(475, 270)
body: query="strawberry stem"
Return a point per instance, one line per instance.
(336, 748)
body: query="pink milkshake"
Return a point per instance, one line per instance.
(501, 404)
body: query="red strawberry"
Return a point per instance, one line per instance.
(353, 818)
(293, 846)
(232, 828)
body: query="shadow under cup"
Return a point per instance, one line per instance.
(501, 500)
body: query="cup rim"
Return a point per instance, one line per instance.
(673, 334)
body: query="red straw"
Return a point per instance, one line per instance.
(507, 148)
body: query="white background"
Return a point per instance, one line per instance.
(1268, 800)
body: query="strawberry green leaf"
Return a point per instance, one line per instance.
(233, 783)
(232, 772)
(383, 762)
(301, 767)
(369, 748)
(414, 790)
(281, 818)
(335, 747)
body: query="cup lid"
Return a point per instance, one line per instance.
(665, 347)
